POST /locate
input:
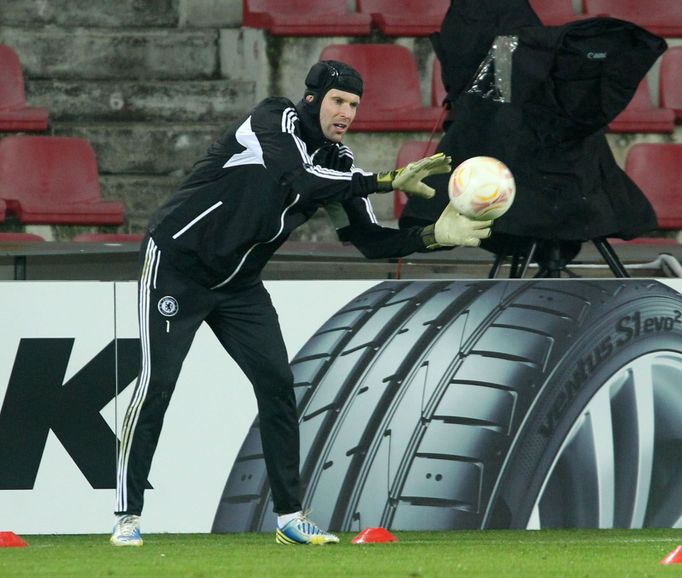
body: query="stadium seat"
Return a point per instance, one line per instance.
(555, 12)
(405, 17)
(109, 238)
(53, 180)
(641, 115)
(392, 99)
(12, 237)
(670, 87)
(657, 170)
(661, 17)
(408, 152)
(305, 18)
(15, 115)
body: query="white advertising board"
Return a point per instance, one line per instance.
(212, 408)
(439, 405)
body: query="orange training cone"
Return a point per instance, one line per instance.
(675, 557)
(374, 535)
(11, 540)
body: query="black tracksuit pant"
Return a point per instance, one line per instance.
(171, 309)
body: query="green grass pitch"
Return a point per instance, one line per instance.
(499, 554)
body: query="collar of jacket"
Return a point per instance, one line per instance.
(311, 132)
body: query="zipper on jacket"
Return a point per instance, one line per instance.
(252, 247)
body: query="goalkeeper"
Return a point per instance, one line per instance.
(202, 258)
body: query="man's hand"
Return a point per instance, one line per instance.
(454, 229)
(409, 178)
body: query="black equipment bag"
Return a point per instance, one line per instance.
(541, 101)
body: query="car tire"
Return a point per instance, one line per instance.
(451, 404)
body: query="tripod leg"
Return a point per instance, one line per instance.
(499, 259)
(529, 258)
(610, 257)
(522, 253)
(516, 257)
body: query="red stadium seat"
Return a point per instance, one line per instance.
(11, 237)
(662, 17)
(109, 238)
(52, 180)
(392, 99)
(408, 152)
(405, 17)
(555, 12)
(305, 18)
(15, 115)
(657, 169)
(641, 115)
(670, 87)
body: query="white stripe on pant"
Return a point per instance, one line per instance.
(147, 281)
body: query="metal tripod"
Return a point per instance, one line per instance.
(522, 252)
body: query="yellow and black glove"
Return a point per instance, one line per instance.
(408, 179)
(452, 229)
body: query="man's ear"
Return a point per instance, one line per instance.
(309, 99)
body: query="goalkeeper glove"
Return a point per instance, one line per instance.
(452, 229)
(409, 178)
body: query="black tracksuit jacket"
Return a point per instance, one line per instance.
(256, 184)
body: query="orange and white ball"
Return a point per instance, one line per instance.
(482, 188)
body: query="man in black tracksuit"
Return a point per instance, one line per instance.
(206, 247)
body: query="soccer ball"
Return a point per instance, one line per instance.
(481, 188)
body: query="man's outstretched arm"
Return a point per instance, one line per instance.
(355, 223)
